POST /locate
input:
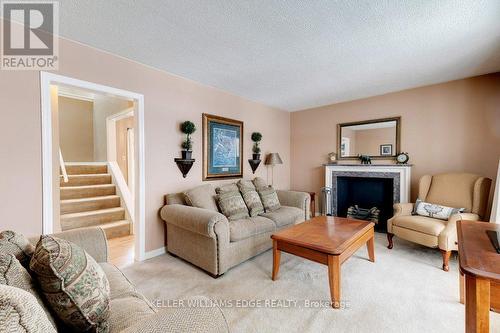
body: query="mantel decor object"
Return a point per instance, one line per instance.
(222, 147)
(273, 159)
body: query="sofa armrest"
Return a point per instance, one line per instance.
(297, 199)
(198, 314)
(198, 220)
(92, 240)
(448, 237)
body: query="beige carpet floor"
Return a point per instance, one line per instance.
(403, 291)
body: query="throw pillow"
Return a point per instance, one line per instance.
(435, 211)
(20, 312)
(72, 282)
(269, 199)
(259, 183)
(251, 197)
(16, 244)
(202, 196)
(232, 205)
(226, 188)
(13, 274)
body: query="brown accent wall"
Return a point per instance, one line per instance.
(169, 100)
(447, 127)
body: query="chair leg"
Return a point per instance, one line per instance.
(389, 238)
(446, 259)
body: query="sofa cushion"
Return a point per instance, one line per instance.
(269, 199)
(227, 188)
(21, 312)
(285, 215)
(13, 274)
(259, 183)
(118, 283)
(232, 205)
(421, 224)
(73, 284)
(245, 228)
(251, 197)
(128, 309)
(13, 243)
(202, 196)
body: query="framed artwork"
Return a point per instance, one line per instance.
(222, 147)
(386, 150)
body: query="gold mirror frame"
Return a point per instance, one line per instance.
(381, 120)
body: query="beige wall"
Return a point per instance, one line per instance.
(369, 140)
(122, 157)
(104, 107)
(76, 129)
(447, 127)
(169, 100)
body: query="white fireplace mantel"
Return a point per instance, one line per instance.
(403, 170)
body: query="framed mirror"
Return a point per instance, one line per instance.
(378, 138)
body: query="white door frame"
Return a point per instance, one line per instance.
(48, 79)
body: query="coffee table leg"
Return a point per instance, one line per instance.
(370, 245)
(334, 280)
(276, 260)
(477, 305)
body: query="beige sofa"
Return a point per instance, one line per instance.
(208, 240)
(130, 311)
(459, 190)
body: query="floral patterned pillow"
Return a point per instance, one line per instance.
(16, 244)
(232, 205)
(269, 199)
(435, 211)
(251, 197)
(73, 284)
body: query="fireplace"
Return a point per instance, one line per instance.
(366, 192)
(367, 186)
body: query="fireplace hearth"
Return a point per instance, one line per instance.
(367, 186)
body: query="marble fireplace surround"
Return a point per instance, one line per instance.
(401, 175)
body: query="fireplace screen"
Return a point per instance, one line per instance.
(372, 214)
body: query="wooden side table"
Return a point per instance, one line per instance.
(313, 204)
(480, 265)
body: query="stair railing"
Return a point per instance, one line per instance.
(63, 167)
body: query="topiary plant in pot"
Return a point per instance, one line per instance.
(256, 138)
(187, 128)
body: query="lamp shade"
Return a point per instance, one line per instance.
(273, 159)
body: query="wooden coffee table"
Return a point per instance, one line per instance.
(326, 240)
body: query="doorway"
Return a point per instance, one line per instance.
(118, 163)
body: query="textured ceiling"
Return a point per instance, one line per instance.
(295, 54)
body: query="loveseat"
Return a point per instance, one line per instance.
(207, 239)
(130, 311)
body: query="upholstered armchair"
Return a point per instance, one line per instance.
(458, 190)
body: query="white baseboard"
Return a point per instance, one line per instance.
(155, 253)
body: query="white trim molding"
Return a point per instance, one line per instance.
(48, 79)
(155, 253)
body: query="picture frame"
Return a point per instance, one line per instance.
(386, 150)
(222, 147)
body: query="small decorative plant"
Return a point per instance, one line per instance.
(187, 128)
(256, 138)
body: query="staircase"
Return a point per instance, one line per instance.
(89, 199)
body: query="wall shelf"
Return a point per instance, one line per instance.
(184, 165)
(254, 164)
